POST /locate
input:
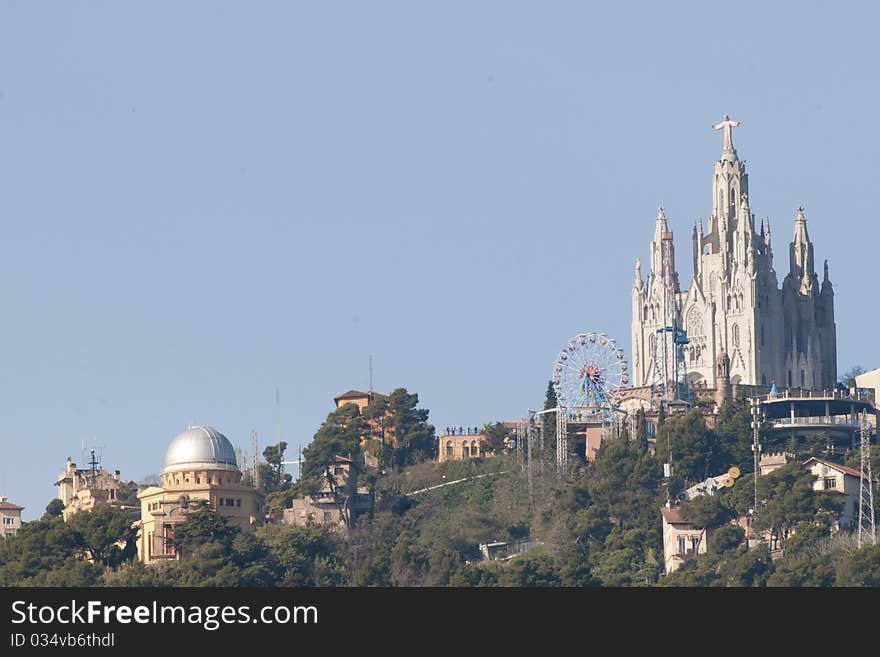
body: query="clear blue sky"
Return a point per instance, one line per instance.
(202, 202)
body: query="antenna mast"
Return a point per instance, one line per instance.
(256, 469)
(278, 411)
(371, 373)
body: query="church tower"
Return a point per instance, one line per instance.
(733, 311)
(809, 333)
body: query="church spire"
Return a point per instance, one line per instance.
(660, 227)
(801, 254)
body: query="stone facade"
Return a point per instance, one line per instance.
(10, 517)
(734, 312)
(681, 540)
(337, 503)
(200, 466)
(459, 447)
(83, 490)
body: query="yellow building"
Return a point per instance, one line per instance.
(357, 397)
(10, 517)
(83, 490)
(338, 502)
(681, 540)
(465, 444)
(362, 400)
(200, 464)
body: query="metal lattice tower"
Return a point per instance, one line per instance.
(561, 441)
(867, 533)
(669, 340)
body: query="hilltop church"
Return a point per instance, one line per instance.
(737, 322)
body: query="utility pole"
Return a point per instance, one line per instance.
(756, 449)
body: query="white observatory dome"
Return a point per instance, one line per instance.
(200, 448)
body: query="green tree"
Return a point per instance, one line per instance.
(272, 475)
(788, 498)
(42, 553)
(340, 434)
(304, 556)
(100, 533)
(413, 436)
(495, 434)
(726, 538)
(860, 568)
(848, 378)
(706, 511)
(695, 451)
(54, 509)
(549, 419)
(733, 431)
(202, 525)
(530, 570)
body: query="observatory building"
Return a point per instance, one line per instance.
(733, 321)
(200, 464)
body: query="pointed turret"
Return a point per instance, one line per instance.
(660, 227)
(801, 255)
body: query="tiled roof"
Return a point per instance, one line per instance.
(352, 394)
(9, 506)
(673, 516)
(835, 466)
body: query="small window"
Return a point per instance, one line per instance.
(328, 516)
(828, 483)
(219, 501)
(681, 545)
(198, 480)
(238, 503)
(230, 501)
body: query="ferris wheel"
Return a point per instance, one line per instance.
(588, 372)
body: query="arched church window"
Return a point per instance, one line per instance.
(803, 379)
(694, 323)
(735, 333)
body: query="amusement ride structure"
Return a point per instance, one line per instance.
(587, 375)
